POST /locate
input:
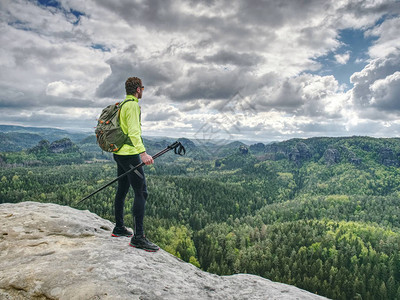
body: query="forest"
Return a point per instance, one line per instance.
(322, 214)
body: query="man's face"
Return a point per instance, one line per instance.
(140, 91)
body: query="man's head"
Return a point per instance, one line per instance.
(133, 86)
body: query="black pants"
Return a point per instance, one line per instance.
(139, 187)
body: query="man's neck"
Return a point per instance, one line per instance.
(134, 95)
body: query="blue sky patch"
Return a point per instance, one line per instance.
(100, 47)
(52, 3)
(351, 57)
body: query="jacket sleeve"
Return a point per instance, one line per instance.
(134, 126)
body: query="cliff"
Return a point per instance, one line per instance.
(48, 251)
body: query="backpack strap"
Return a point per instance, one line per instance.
(123, 102)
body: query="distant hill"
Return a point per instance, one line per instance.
(17, 138)
(42, 130)
(17, 141)
(334, 150)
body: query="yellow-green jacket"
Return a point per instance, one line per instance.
(129, 120)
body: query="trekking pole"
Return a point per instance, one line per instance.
(177, 147)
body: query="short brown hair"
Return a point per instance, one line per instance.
(131, 85)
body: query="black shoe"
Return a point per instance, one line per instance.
(141, 242)
(121, 231)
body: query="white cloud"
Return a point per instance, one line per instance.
(342, 58)
(388, 38)
(67, 89)
(305, 95)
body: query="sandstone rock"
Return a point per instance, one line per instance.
(243, 150)
(294, 155)
(388, 157)
(259, 147)
(304, 150)
(48, 251)
(300, 153)
(42, 146)
(63, 146)
(331, 156)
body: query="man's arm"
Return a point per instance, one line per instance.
(132, 117)
(134, 132)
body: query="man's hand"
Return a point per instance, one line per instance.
(147, 159)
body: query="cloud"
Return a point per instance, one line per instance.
(304, 95)
(66, 89)
(210, 83)
(68, 118)
(385, 93)
(224, 57)
(388, 38)
(153, 71)
(342, 58)
(376, 87)
(168, 112)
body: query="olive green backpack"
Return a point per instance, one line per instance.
(109, 134)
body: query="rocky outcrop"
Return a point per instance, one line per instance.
(388, 157)
(63, 146)
(48, 251)
(352, 157)
(259, 147)
(294, 155)
(42, 147)
(243, 150)
(331, 156)
(300, 153)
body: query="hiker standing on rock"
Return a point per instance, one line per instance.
(130, 156)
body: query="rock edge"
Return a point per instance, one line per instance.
(48, 251)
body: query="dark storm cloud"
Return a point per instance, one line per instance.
(154, 14)
(276, 14)
(167, 16)
(207, 83)
(43, 101)
(224, 57)
(153, 72)
(362, 8)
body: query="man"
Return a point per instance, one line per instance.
(129, 156)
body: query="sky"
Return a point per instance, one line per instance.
(248, 70)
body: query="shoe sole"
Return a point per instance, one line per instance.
(115, 235)
(148, 250)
